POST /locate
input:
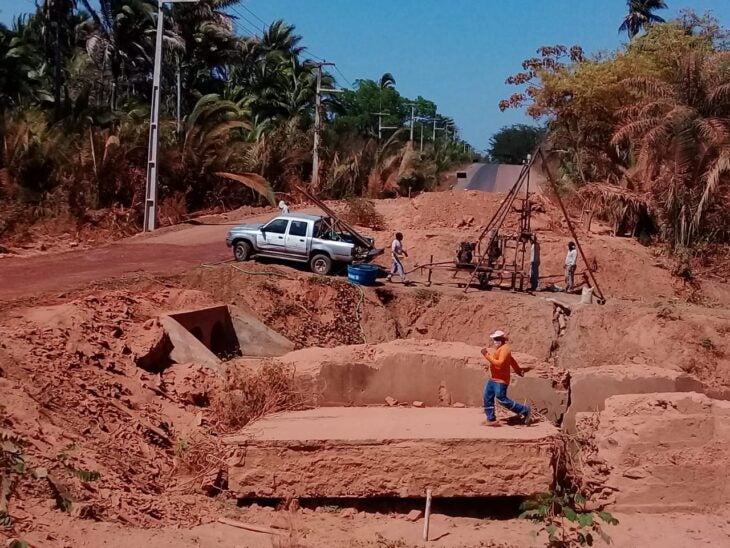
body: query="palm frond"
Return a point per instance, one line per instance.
(254, 181)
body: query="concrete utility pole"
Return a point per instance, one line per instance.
(413, 120)
(178, 113)
(381, 127)
(318, 122)
(435, 129)
(150, 202)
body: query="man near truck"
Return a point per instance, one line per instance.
(397, 253)
(500, 364)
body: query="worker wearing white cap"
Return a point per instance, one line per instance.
(500, 364)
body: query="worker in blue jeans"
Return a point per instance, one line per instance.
(500, 364)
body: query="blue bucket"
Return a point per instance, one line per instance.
(362, 274)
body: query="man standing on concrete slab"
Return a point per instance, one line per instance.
(397, 253)
(571, 260)
(500, 364)
(534, 263)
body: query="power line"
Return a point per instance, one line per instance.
(310, 52)
(239, 16)
(254, 25)
(349, 83)
(252, 13)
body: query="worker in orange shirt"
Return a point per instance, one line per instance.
(500, 364)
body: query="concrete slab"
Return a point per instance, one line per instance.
(358, 452)
(590, 387)
(666, 452)
(434, 372)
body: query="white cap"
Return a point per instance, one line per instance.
(498, 335)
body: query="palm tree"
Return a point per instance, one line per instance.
(387, 81)
(280, 37)
(641, 15)
(210, 47)
(19, 79)
(57, 18)
(122, 41)
(681, 130)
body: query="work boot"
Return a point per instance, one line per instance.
(528, 417)
(492, 423)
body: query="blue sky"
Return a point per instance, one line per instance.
(454, 52)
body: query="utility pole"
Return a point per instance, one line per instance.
(178, 114)
(318, 122)
(153, 150)
(421, 136)
(381, 127)
(435, 129)
(413, 120)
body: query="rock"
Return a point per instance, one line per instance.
(151, 349)
(391, 401)
(348, 513)
(458, 405)
(418, 404)
(414, 515)
(590, 387)
(682, 443)
(281, 521)
(40, 473)
(635, 473)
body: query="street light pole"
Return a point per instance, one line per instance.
(150, 202)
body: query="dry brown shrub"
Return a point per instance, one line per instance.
(251, 393)
(173, 209)
(362, 212)
(199, 453)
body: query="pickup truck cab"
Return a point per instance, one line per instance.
(301, 238)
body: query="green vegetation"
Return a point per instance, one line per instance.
(652, 118)
(566, 520)
(512, 144)
(75, 88)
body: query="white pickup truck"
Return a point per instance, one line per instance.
(304, 238)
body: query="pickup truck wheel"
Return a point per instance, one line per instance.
(242, 251)
(321, 264)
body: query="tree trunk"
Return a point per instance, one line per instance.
(57, 63)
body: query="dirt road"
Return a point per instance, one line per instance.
(167, 253)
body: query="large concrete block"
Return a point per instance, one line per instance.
(390, 452)
(436, 373)
(666, 452)
(590, 387)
